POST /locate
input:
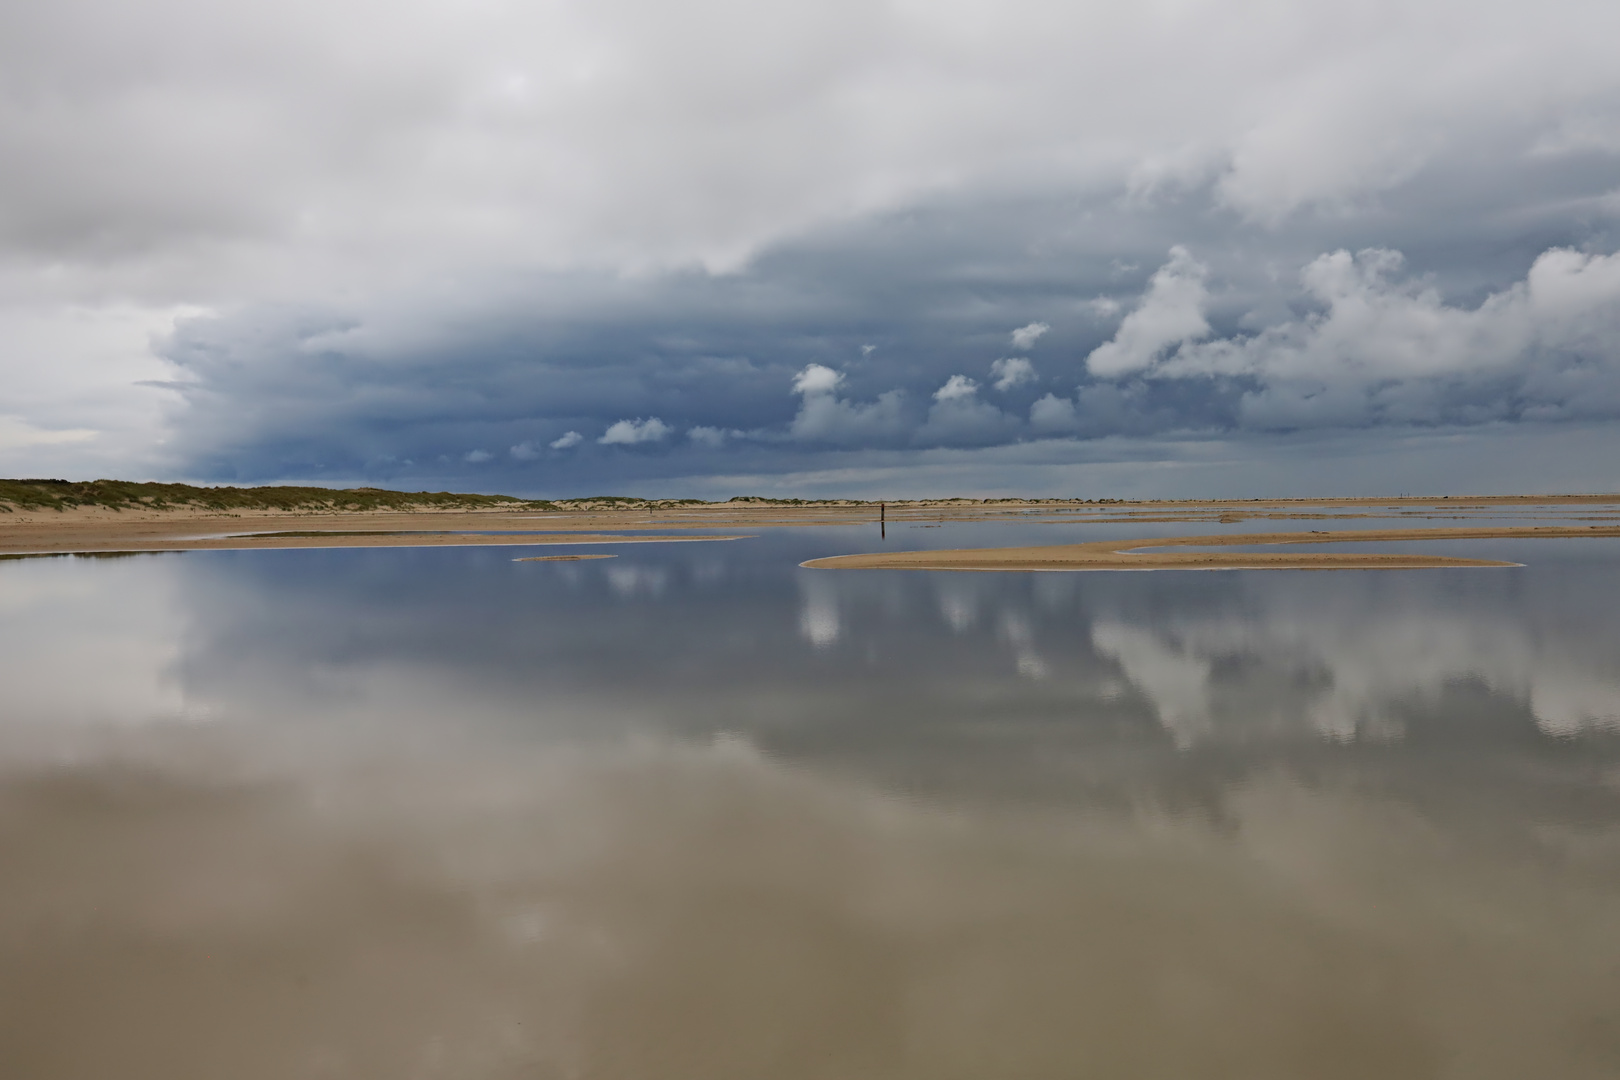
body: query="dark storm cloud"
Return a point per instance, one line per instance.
(908, 316)
(892, 334)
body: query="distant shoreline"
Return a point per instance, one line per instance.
(139, 526)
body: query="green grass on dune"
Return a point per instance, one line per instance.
(121, 495)
(39, 494)
(35, 494)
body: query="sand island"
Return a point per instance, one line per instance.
(1130, 554)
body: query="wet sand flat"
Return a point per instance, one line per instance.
(199, 535)
(1128, 554)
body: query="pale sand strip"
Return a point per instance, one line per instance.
(132, 544)
(564, 558)
(1129, 554)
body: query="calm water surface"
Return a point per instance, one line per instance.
(696, 812)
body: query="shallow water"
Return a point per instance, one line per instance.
(696, 812)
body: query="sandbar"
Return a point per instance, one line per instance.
(1140, 554)
(187, 533)
(565, 558)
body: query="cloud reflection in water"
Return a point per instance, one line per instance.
(433, 813)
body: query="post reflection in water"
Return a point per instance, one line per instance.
(701, 813)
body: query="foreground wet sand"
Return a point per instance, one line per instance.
(693, 812)
(703, 913)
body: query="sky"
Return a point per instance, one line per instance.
(704, 248)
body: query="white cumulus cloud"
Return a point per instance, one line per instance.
(1011, 371)
(1026, 336)
(567, 440)
(1384, 349)
(630, 432)
(817, 379)
(825, 417)
(1171, 313)
(959, 418)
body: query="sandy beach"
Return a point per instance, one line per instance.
(97, 531)
(100, 530)
(92, 530)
